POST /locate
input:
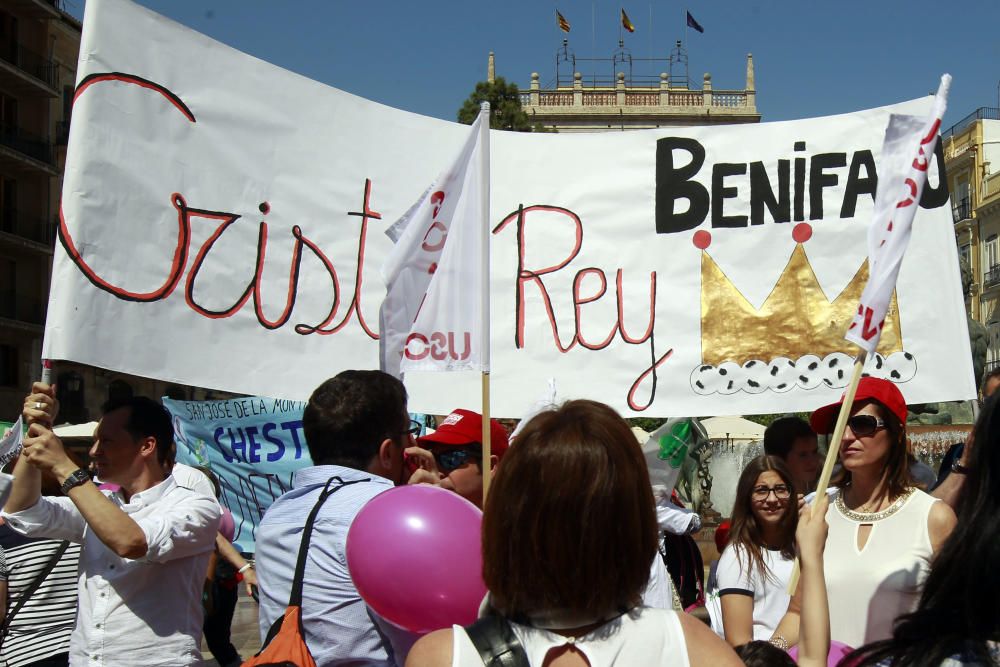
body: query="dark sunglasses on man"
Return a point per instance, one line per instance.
(456, 457)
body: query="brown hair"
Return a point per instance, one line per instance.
(745, 535)
(570, 522)
(896, 471)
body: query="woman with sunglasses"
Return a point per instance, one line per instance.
(884, 532)
(957, 622)
(756, 565)
(569, 530)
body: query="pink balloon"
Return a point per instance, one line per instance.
(228, 525)
(837, 652)
(414, 555)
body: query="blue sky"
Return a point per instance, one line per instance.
(811, 58)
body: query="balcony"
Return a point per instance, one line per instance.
(27, 226)
(37, 9)
(991, 187)
(992, 277)
(25, 150)
(21, 308)
(961, 210)
(26, 72)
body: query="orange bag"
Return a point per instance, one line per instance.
(285, 645)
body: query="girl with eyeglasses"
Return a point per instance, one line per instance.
(756, 565)
(884, 532)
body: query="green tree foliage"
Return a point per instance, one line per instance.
(505, 106)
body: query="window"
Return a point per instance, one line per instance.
(72, 406)
(989, 256)
(992, 343)
(8, 366)
(961, 205)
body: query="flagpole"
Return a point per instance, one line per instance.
(650, 30)
(593, 29)
(832, 450)
(484, 230)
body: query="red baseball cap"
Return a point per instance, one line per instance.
(869, 389)
(465, 427)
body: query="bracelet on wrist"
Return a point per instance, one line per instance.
(959, 468)
(779, 641)
(248, 566)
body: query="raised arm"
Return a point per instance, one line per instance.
(810, 537)
(44, 451)
(40, 407)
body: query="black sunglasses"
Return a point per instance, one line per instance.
(865, 425)
(451, 459)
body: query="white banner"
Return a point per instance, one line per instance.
(223, 226)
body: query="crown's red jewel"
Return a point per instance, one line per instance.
(802, 232)
(702, 239)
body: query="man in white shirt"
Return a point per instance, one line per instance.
(145, 547)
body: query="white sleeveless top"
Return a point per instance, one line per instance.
(869, 588)
(644, 636)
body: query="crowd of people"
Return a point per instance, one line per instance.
(125, 564)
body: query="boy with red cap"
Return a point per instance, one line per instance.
(451, 457)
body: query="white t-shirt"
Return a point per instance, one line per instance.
(770, 594)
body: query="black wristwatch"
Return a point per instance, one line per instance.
(75, 479)
(959, 468)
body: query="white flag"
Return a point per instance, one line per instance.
(907, 153)
(433, 314)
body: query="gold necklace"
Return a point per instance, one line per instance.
(868, 516)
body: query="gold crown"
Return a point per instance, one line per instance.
(796, 319)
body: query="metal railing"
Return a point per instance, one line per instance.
(27, 226)
(20, 307)
(982, 113)
(30, 62)
(646, 98)
(961, 210)
(28, 143)
(991, 277)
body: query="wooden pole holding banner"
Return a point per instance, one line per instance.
(484, 227)
(832, 450)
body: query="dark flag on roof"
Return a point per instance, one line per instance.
(694, 24)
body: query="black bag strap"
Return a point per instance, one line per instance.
(295, 598)
(496, 642)
(30, 590)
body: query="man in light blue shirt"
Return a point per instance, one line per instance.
(356, 427)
